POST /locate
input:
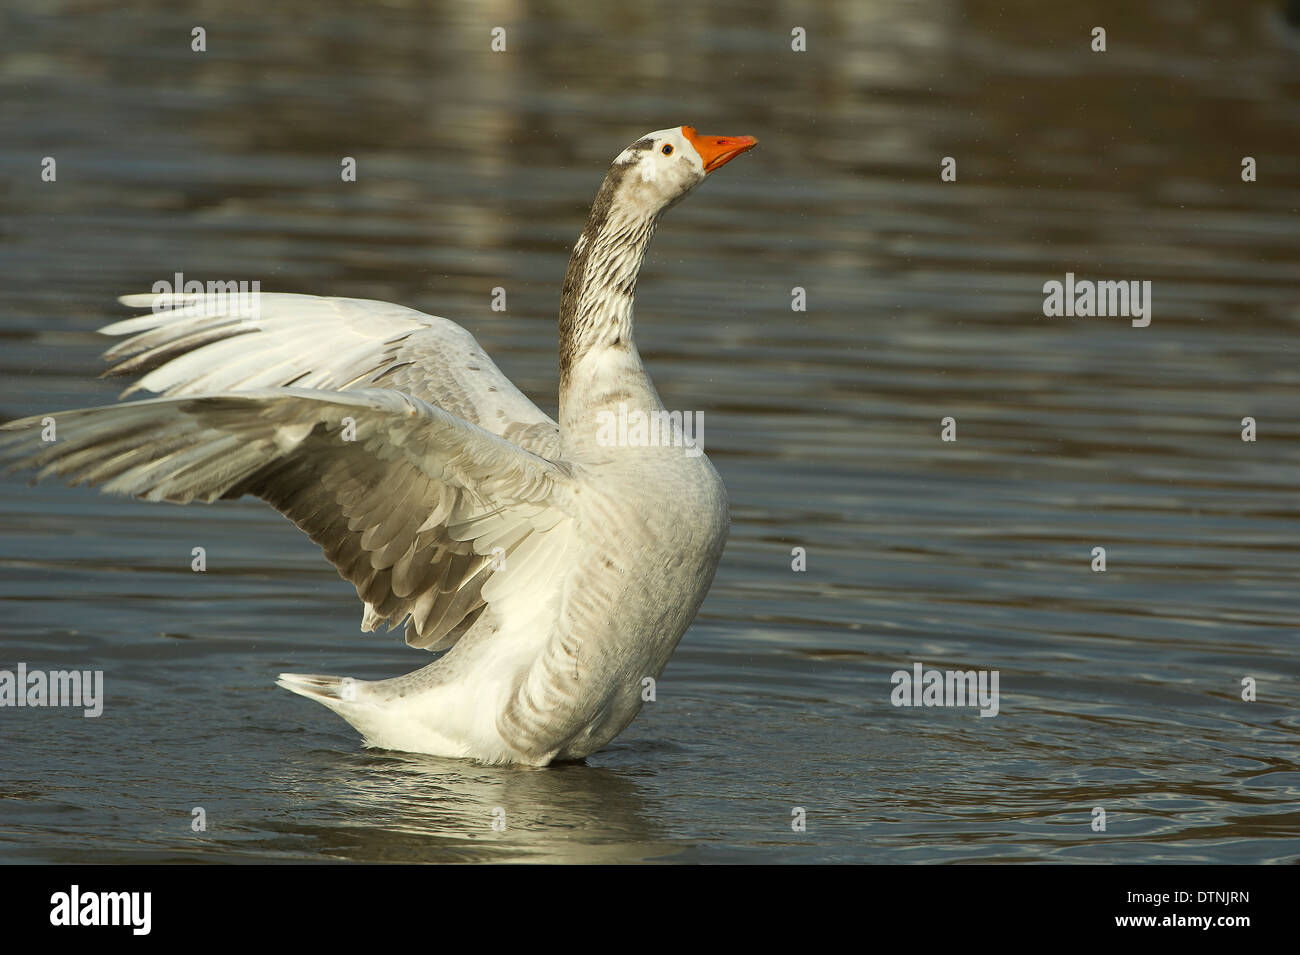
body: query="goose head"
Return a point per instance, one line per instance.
(661, 168)
(647, 178)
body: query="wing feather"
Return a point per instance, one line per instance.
(191, 344)
(409, 512)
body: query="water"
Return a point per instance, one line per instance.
(1119, 690)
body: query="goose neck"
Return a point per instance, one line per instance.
(600, 285)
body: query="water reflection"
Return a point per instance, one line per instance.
(399, 807)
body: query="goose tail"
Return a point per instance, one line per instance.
(333, 691)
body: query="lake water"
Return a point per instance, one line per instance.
(1120, 690)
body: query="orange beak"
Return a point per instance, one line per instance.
(717, 150)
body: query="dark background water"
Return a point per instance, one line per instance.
(1120, 690)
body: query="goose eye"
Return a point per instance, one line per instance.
(668, 149)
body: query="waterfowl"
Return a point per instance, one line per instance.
(553, 570)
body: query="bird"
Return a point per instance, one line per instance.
(551, 566)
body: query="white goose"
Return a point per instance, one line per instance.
(557, 571)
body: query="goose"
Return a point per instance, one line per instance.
(551, 569)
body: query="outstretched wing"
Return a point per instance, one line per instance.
(417, 508)
(213, 343)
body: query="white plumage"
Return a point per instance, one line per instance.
(558, 572)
